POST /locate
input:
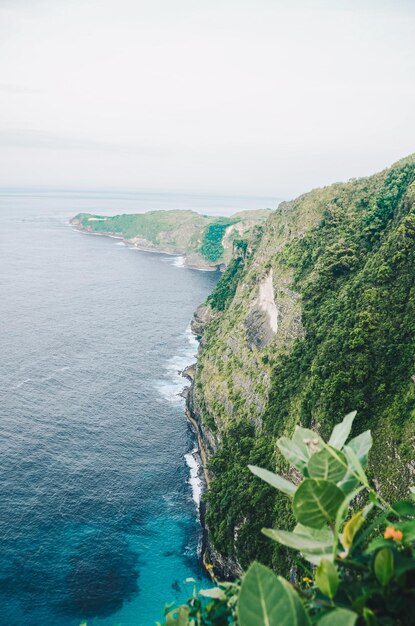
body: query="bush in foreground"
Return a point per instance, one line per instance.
(356, 551)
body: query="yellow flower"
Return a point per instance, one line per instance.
(306, 579)
(209, 566)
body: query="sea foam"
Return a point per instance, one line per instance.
(170, 388)
(178, 261)
(173, 383)
(192, 460)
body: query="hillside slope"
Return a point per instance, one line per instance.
(206, 241)
(318, 320)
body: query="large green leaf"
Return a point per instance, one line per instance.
(338, 617)
(305, 543)
(307, 441)
(361, 446)
(316, 502)
(341, 431)
(405, 508)
(329, 464)
(274, 480)
(321, 534)
(344, 509)
(324, 535)
(327, 578)
(383, 566)
(349, 482)
(355, 464)
(292, 453)
(268, 600)
(358, 447)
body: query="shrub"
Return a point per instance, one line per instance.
(357, 561)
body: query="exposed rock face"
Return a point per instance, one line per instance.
(262, 321)
(201, 317)
(189, 372)
(266, 302)
(206, 439)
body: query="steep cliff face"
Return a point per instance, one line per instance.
(317, 319)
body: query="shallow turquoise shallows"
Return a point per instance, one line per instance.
(97, 516)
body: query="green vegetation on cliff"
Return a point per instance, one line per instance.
(341, 264)
(212, 248)
(204, 239)
(227, 288)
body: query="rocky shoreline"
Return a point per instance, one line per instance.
(218, 566)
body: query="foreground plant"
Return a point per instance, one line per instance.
(359, 549)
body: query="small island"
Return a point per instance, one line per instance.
(206, 242)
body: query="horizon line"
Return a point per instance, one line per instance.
(44, 190)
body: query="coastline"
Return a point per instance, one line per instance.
(196, 458)
(154, 249)
(217, 566)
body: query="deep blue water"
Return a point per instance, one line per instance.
(97, 519)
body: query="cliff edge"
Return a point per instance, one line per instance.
(315, 320)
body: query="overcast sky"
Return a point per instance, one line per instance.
(261, 97)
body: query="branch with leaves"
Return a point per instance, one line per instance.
(360, 549)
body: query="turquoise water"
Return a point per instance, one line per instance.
(97, 517)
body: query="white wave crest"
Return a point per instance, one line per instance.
(173, 383)
(178, 261)
(194, 481)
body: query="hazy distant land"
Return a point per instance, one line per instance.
(205, 241)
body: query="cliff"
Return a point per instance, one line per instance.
(316, 319)
(206, 242)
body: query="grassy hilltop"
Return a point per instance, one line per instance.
(205, 240)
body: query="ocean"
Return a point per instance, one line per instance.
(98, 483)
